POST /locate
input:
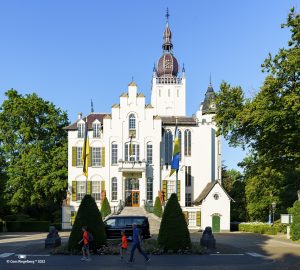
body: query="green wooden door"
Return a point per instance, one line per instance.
(216, 224)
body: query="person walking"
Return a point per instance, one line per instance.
(85, 247)
(123, 245)
(136, 244)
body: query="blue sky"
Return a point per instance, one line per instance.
(70, 52)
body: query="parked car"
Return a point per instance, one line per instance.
(115, 224)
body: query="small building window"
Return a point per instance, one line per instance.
(188, 199)
(80, 129)
(150, 189)
(114, 189)
(168, 147)
(96, 190)
(192, 218)
(132, 122)
(170, 188)
(96, 156)
(216, 196)
(187, 142)
(188, 176)
(149, 153)
(79, 162)
(132, 152)
(114, 154)
(81, 190)
(96, 130)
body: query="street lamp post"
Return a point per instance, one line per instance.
(273, 209)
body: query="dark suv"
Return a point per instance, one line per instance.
(115, 224)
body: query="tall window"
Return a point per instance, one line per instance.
(81, 189)
(168, 146)
(96, 130)
(192, 218)
(150, 189)
(131, 122)
(96, 188)
(114, 189)
(170, 188)
(79, 156)
(149, 153)
(134, 153)
(188, 176)
(80, 129)
(114, 154)
(179, 139)
(188, 199)
(96, 156)
(187, 142)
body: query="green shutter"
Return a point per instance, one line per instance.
(178, 189)
(89, 187)
(186, 216)
(164, 187)
(198, 218)
(90, 158)
(74, 191)
(73, 216)
(102, 186)
(74, 156)
(103, 157)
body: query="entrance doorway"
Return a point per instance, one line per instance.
(216, 224)
(132, 192)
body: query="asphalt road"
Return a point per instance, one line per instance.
(235, 251)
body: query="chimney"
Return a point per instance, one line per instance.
(79, 115)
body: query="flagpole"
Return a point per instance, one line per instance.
(176, 181)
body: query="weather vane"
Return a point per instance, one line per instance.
(167, 14)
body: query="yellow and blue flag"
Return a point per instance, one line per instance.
(86, 150)
(176, 153)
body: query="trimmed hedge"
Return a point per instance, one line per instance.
(30, 226)
(105, 208)
(157, 210)
(173, 232)
(295, 227)
(261, 228)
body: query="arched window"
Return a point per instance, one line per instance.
(114, 153)
(168, 146)
(132, 122)
(187, 142)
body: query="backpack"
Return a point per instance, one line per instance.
(91, 237)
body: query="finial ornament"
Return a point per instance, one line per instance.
(92, 106)
(167, 14)
(210, 78)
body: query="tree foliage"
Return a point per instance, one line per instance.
(295, 227)
(88, 215)
(173, 231)
(105, 208)
(34, 148)
(157, 209)
(269, 126)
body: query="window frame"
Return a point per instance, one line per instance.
(187, 142)
(114, 153)
(80, 130)
(93, 150)
(96, 130)
(96, 195)
(149, 153)
(79, 161)
(114, 189)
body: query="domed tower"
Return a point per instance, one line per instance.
(168, 87)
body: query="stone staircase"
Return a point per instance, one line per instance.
(154, 221)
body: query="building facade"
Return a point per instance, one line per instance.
(131, 150)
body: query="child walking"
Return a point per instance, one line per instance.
(85, 247)
(123, 245)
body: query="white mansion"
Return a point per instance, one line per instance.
(138, 173)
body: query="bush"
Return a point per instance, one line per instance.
(18, 217)
(105, 208)
(88, 215)
(173, 231)
(295, 226)
(157, 210)
(28, 226)
(261, 228)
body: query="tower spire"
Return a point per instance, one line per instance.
(167, 45)
(92, 106)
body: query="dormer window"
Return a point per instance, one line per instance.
(96, 130)
(132, 126)
(80, 128)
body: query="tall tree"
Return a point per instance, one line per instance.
(269, 126)
(34, 147)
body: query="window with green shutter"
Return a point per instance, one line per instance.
(164, 189)
(74, 156)
(198, 218)
(74, 191)
(73, 216)
(186, 216)
(103, 157)
(178, 186)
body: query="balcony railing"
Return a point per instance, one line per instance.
(169, 80)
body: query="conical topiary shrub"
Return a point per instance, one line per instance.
(157, 210)
(105, 208)
(173, 231)
(295, 227)
(88, 215)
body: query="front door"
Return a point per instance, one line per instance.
(135, 198)
(216, 224)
